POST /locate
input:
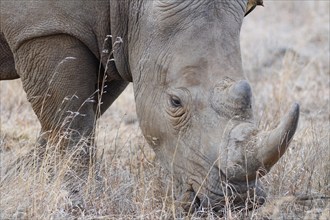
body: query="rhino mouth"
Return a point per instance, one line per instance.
(234, 196)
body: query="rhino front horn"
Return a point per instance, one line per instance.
(274, 143)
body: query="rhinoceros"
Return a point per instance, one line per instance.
(193, 103)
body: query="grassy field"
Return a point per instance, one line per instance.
(285, 51)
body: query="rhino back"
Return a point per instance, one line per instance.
(87, 21)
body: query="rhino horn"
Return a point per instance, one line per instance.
(275, 142)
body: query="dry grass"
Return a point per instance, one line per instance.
(285, 50)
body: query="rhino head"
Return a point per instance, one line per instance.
(193, 102)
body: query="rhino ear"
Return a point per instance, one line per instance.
(252, 4)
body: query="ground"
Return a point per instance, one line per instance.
(285, 52)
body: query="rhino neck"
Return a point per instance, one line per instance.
(123, 14)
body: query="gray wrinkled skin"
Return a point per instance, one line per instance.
(193, 103)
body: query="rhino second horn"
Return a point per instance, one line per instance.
(274, 143)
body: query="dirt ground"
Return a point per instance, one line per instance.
(285, 51)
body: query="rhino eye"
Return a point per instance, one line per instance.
(176, 109)
(175, 102)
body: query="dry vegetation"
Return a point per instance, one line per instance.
(285, 50)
